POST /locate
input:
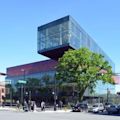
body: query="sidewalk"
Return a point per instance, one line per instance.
(51, 110)
(38, 110)
(7, 109)
(57, 111)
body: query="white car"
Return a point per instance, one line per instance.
(97, 107)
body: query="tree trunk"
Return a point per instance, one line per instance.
(81, 93)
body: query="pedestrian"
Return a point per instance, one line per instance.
(29, 105)
(35, 106)
(32, 105)
(25, 106)
(60, 104)
(42, 105)
(18, 104)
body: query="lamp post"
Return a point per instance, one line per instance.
(55, 96)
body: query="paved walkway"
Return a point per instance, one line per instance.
(51, 110)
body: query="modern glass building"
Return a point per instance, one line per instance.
(31, 70)
(58, 36)
(53, 39)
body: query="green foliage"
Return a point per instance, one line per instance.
(84, 68)
(32, 82)
(47, 80)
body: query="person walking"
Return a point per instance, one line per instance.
(29, 105)
(42, 106)
(60, 104)
(32, 105)
(18, 104)
(25, 106)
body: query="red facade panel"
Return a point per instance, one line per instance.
(35, 67)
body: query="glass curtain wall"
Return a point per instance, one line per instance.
(79, 38)
(53, 36)
(69, 32)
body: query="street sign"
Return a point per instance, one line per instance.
(22, 81)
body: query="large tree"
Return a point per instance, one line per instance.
(84, 68)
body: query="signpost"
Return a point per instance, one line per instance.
(22, 81)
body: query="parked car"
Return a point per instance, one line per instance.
(118, 109)
(79, 107)
(113, 109)
(76, 108)
(96, 108)
(107, 104)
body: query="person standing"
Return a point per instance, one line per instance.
(25, 106)
(60, 104)
(42, 105)
(29, 105)
(18, 104)
(32, 105)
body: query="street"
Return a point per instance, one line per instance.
(14, 115)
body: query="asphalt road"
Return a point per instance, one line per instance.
(8, 115)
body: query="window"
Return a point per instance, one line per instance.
(3, 90)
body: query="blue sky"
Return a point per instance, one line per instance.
(19, 20)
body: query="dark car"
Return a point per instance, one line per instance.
(79, 107)
(113, 109)
(118, 109)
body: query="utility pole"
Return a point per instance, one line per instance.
(55, 96)
(11, 96)
(108, 92)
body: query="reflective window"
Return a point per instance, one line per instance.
(65, 37)
(68, 32)
(53, 36)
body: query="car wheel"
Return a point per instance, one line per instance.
(109, 113)
(102, 110)
(118, 111)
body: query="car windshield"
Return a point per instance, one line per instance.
(113, 106)
(95, 105)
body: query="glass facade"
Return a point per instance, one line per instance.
(14, 79)
(53, 36)
(102, 88)
(57, 34)
(66, 31)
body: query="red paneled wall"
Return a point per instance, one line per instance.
(30, 68)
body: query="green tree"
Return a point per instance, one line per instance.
(83, 67)
(47, 80)
(33, 84)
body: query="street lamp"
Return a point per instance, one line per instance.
(54, 93)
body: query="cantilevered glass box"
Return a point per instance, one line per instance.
(54, 38)
(60, 35)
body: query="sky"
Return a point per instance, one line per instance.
(19, 20)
